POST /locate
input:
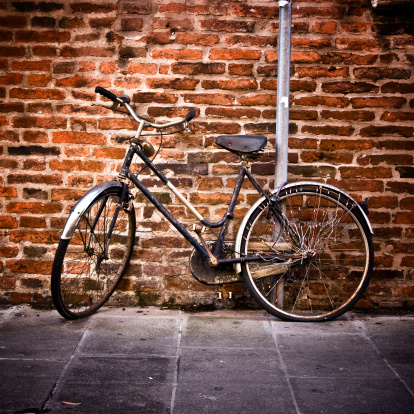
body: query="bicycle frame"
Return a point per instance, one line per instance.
(223, 223)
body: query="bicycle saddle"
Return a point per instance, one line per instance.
(249, 145)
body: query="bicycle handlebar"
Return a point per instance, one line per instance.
(125, 102)
(106, 93)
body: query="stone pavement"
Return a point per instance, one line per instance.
(147, 360)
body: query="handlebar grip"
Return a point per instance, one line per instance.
(190, 115)
(106, 93)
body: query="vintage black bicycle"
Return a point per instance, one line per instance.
(303, 250)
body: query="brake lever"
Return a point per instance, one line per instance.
(187, 127)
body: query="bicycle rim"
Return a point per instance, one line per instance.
(317, 255)
(87, 269)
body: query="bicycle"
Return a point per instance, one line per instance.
(304, 250)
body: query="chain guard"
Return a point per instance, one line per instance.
(218, 275)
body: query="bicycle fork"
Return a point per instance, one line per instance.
(107, 240)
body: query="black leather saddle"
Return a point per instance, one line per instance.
(248, 145)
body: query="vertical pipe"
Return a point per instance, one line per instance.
(282, 110)
(283, 91)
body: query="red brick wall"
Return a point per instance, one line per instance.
(351, 123)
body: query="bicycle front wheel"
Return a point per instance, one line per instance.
(88, 267)
(317, 254)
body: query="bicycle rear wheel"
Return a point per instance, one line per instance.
(87, 268)
(317, 254)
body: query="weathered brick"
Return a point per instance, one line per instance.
(196, 39)
(382, 73)
(235, 54)
(229, 26)
(329, 130)
(349, 87)
(361, 44)
(198, 68)
(177, 54)
(78, 138)
(37, 93)
(381, 102)
(234, 84)
(379, 131)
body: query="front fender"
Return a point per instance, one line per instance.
(239, 236)
(81, 206)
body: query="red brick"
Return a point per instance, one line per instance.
(233, 113)
(252, 41)
(360, 172)
(148, 97)
(93, 7)
(234, 54)
(361, 44)
(209, 99)
(132, 24)
(234, 84)
(240, 69)
(324, 27)
(37, 93)
(229, 26)
(382, 73)
(397, 87)
(329, 130)
(340, 102)
(77, 165)
(49, 36)
(258, 99)
(344, 58)
(69, 51)
(33, 222)
(137, 67)
(347, 144)
(380, 102)
(261, 12)
(321, 72)
(378, 131)
(34, 208)
(348, 115)
(332, 12)
(12, 51)
(13, 21)
(9, 251)
(357, 28)
(69, 137)
(34, 65)
(44, 51)
(8, 192)
(7, 222)
(7, 282)
(39, 80)
(196, 39)
(310, 43)
(35, 236)
(171, 23)
(397, 116)
(11, 79)
(198, 68)
(177, 54)
(44, 122)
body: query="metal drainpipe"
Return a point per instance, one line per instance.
(283, 91)
(282, 111)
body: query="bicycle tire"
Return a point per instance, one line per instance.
(317, 254)
(83, 276)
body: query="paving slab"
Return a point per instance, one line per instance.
(148, 360)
